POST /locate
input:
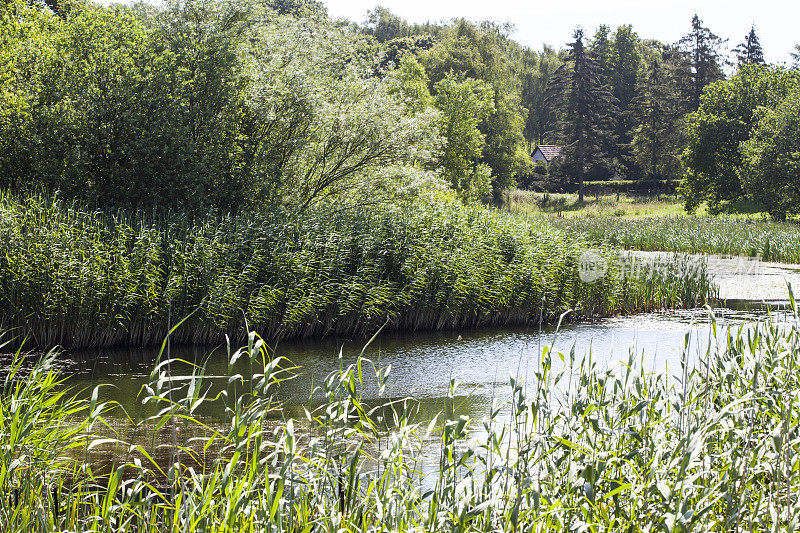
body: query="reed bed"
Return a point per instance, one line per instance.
(713, 447)
(771, 241)
(85, 279)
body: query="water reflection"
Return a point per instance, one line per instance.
(422, 365)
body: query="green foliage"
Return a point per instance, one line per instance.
(237, 105)
(656, 140)
(701, 50)
(394, 50)
(771, 157)
(484, 52)
(707, 446)
(464, 104)
(537, 69)
(725, 119)
(320, 131)
(81, 279)
(504, 151)
(386, 26)
(579, 94)
(299, 8)
(626, 63)
(121, 117)
(22, 34)
(199, 105)
(410, 83)
(771, 241)
(749, 52)
(601, 47)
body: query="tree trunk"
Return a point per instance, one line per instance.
(580, 166)
(653, 163)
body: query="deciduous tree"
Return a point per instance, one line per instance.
(464, 103)
(724, 120)
(771, 170)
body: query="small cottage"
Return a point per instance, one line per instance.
(546, 153)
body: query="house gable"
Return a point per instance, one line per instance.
(546, 153)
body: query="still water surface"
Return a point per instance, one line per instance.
(423, 365)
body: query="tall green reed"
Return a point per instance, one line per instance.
(771, 241)
(578, 447)
(81, 279)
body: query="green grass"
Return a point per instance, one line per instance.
(567, 205)
(710, 446)
(610, 205)
(81, 279)
(644, 223)
(772, 241)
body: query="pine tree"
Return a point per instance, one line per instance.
(702, 49)
(626, 64)
(582, 100)
(654, 140)
(750, 52)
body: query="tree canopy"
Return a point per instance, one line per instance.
(726, 117)
(227, 105)
(771, 170)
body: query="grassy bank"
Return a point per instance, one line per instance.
(79, 279)
(772, 241)
(646, 223)
(710, 447)
(600, 205)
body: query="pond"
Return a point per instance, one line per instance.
(423, 365)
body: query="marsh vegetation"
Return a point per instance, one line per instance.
(709, 447)
(80, 279)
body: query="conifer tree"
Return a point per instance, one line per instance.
(626, 64)
(655, 106)
(750, 52)
(702, 50)
(582, 100)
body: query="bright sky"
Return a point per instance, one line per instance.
(553, 22)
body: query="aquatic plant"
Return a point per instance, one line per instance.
(771, 241)
(710, 447)
(74, 278)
